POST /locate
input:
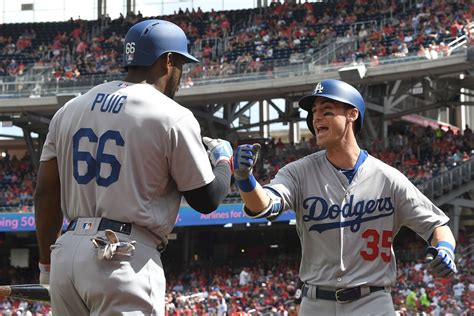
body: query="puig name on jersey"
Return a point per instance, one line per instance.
(355, 214)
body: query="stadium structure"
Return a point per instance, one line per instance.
(402, 89)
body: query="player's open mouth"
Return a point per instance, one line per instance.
(321, 130)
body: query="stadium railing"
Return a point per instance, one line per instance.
(29, 87)
(449, 180)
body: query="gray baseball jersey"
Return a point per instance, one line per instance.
(125, 151)
(346, 230)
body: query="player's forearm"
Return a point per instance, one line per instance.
(48, 215)
(256, 200)
(443, 233)
(208, 198)
(49, 220)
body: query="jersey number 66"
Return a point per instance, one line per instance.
(94, 163)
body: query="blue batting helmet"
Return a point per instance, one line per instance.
(336, 90)
(146, 41)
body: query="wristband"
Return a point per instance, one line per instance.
(247, 185)
(446, 246)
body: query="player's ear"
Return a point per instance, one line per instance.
(169, 61)
(162, 64)
(352, 115)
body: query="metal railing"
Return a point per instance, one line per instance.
(18, 87)
(449, 180)
(463, 39)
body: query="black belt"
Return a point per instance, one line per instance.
(105, 223)
(341, 295)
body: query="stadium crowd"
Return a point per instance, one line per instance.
(249, 41)
(246, 41)
(17, 180)
(419, 152)
(267, 287)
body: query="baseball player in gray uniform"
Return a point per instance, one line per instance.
(116, 163)
(349, 206)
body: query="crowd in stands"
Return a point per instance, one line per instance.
(17, 180)
(248, 40)
(424, 153)
(266, 286)
(420, 153)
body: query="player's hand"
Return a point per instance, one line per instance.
(218, 150)
(245, 158)
(442, 263)
(44, 273)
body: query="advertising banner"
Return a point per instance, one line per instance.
(225, 214)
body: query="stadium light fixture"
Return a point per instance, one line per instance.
(228, 225)
(351, 73)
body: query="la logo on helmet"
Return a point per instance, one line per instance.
(319, 88)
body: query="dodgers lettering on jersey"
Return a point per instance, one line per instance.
(318, 209)
(347, 229)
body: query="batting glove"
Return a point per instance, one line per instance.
(44, 273)
(245, 158)
(442, 264)
(218, 150)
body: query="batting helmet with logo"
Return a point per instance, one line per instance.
(146, 41)
(336, 90)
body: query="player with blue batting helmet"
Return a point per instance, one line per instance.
(336, 90)
(147, 40)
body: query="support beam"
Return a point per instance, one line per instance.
(273, 105)
(455, 219)
(243, 109)
(369, 126)
(374, 107)
(210, 117)
(187, 246)
(278, 120)
(292, 131)
(31, 148)
(216, 108)
(99, 9)
(391, 116)
(393, 92)
(447, 198)
(30, 116)
(264, 115)
(399, 99)
(11, 136)
(462, 202)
